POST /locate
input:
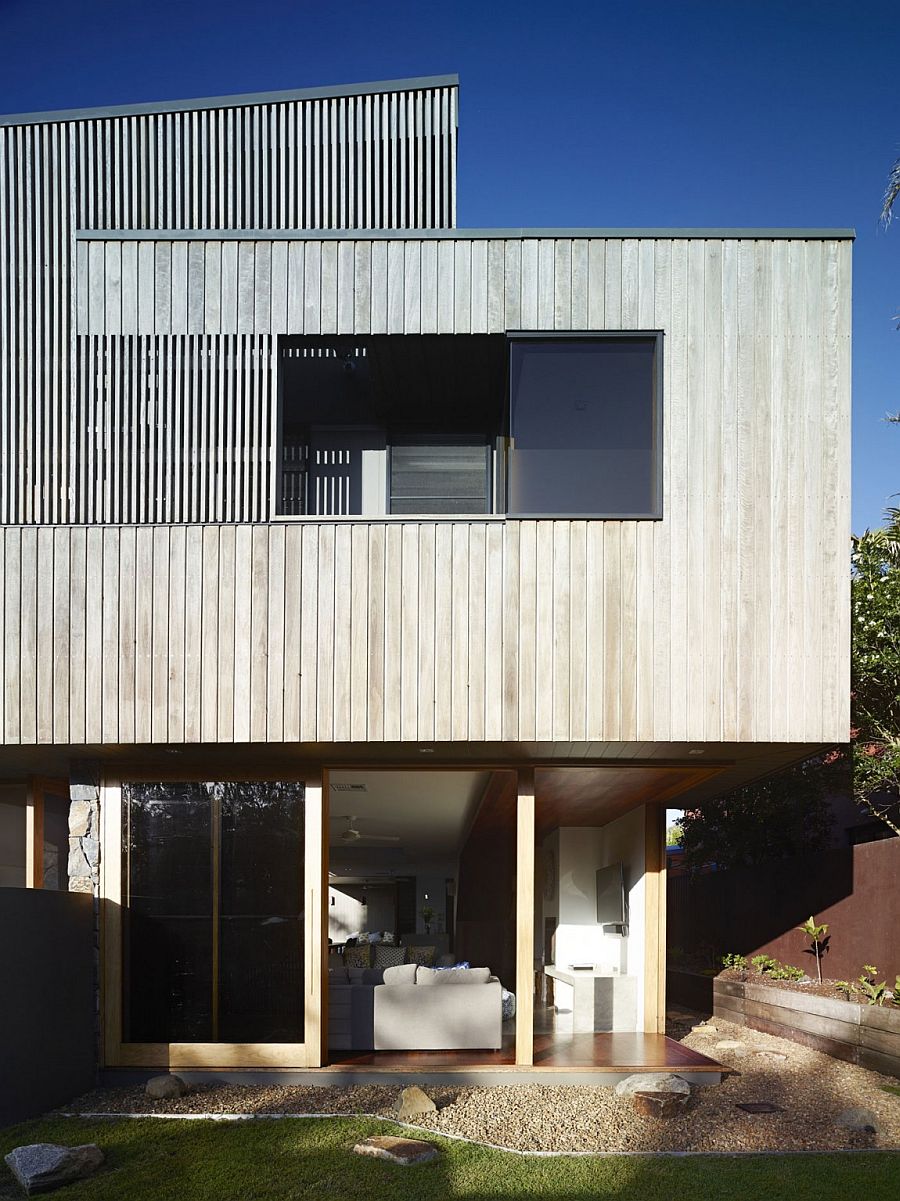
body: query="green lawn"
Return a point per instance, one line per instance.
(150, 1160)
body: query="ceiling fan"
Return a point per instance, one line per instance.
(352, 834)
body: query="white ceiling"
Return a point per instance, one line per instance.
(429, 810)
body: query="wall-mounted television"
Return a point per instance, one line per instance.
(611, 906)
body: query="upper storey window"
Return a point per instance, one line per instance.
(584, 426)
(466, 424)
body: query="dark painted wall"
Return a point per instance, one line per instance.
(755, 910)
(47, 1004)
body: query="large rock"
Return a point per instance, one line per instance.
(413, 1103)
(653, 1082)
(857, 1119)
(659, 1105)
(40, 1167)
(403, 1151)
(165, 1088)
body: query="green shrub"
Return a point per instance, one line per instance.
(763, 964)
(738, 962)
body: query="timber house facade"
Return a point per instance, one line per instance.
(370, 586)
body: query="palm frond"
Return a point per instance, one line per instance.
(891, 193)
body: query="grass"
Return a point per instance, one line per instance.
(150, 1160)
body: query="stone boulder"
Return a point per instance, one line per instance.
(659, 1105)
(413, 1102)
(402, 1151)
(41, 1167)
(165, 1088)
(653, 1082)
(857, 1119)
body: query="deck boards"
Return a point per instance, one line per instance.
(553, 1051)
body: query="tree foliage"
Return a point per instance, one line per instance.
(875, 634)
(782, 816)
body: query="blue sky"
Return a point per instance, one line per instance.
(621, 114)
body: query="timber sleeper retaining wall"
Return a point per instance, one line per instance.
(867, 1035)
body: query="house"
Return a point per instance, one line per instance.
(371, 580)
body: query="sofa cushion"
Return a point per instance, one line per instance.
(360, 956)
(388, 956)
(338, 975)
(463, 975)
(424, 955)
(373, 975)
(403, 973)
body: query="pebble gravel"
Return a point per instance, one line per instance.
(812, 1089)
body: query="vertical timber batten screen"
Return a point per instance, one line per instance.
(368, 161)
(172, 429)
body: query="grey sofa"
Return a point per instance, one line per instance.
(416, 1009)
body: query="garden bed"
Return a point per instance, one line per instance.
(868, 1035)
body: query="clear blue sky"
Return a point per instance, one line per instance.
(657, 114)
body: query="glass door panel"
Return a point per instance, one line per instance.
(212, 893)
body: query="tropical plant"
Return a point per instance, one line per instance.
(782, 816)
(892, 191)
(818, 937)
(875, 649)
(868, 985)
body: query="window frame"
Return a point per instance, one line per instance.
(655, 513)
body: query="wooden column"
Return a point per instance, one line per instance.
(316, 921)
(34, 836)
(655, 919)
(525, 918)
(111, 903)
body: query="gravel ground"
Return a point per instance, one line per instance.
(812, 1088)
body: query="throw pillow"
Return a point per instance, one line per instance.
(463, 975)
(373, 975)
(360, 956)
(403, 973)
(423, 955)
(388, 938)
(387, 956)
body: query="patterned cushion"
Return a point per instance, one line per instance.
(387, 956)
(423, 955)
(358, 956)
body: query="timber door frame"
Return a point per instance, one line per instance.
(115, 1052)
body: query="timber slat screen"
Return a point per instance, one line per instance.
(382, 159)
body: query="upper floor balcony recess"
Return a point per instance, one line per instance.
(468, 425)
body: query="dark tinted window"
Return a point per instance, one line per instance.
(583, 427)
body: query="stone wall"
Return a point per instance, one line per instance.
(84, 858)
(84, 828)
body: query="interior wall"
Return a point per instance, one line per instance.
(486, 884)
(578, 852)
(348, 916)
(12, 837)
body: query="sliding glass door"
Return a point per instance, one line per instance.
(212, 916)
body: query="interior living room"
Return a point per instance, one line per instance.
(422, 886)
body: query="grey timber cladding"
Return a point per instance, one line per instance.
(726, 620)
(381, 160)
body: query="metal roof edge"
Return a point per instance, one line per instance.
(377, 87)
(456, 234)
